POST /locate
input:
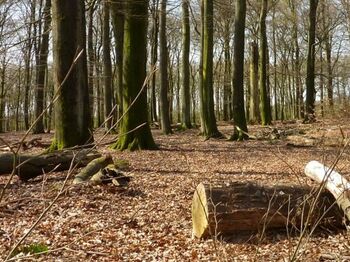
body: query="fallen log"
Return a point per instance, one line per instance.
(227, 209)
(334, 182)
(92, 168)
(30, 166)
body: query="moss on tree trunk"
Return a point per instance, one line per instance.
(72, 111)
(134, 74)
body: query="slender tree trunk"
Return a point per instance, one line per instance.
(321, 82)
(185, 91)
(72, 123)
(154, 58)
(163, 70)
(107, 67)
(310, 67)
(239, 120)
(263, 85)
(227, 74)
(28, 55)
(135, 132)
(254, 83)
(91, 58)
(209, 126)
(41, 70)
(118, 18)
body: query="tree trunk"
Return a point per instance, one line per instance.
(107, 67)
(254, 84)
(42, 69)
(225, 210)
(227, 106)
(163, 70)
(118, 29)
(209, 127)
(72, 110)
(154, 58)
(91, 57)
(263, 86)
(134, 75)
(310, 66)
(239, 120)
(185, 91)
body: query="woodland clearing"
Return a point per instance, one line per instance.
(150, 219)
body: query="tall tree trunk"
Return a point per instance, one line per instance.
(209, 126)
(297, 63)
(107, 67)
(227, 74)
(2, 93)
(163, 70)
(263, 85)
(134, 74)
(239, 120)
(72, 107)
(185, 91)
(154, 58)
(118, 29)
(321, 82)
(41, 70)
(91, 57)
(28, 55)
(254, 83)
(310, 67)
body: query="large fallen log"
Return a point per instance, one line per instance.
(334, 182)
(227, 209)
(30, 166)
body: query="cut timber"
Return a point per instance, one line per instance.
(333, 182)
(227, 209)
(30, 166)
(92, 168)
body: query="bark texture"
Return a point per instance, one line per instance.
(225, 210)
(72, 112)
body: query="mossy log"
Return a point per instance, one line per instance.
(92, 168)
(227, 209)
(334, 182)
(30, 166)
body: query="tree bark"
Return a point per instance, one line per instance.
(263, 85)
(118, 18)
(72, 116)
(134, 75)
(209, 127)
(185, 91)
(239, 119)
(310, 66)
(31, 166)
(227, 209)
(254, 84)
(107, 67)
(163, 70)
(41, 70)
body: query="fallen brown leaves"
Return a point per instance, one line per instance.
(150, 220)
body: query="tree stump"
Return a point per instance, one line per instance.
(227, 209)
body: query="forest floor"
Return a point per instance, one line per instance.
(150, 220)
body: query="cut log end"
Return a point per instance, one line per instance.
(200, 212)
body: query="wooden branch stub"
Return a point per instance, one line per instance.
(92, 168)
(334, 182)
